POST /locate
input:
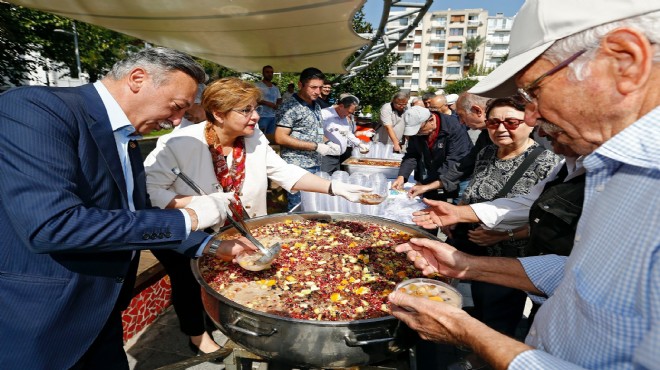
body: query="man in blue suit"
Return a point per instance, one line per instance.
(74, 210)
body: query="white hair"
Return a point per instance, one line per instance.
(649, 24)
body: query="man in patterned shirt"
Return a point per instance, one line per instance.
(589, 71)
(299, 130)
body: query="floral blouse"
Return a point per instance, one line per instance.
(491, 174)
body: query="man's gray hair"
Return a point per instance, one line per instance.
(401, 95)
(466, 100)
(158, 62)
(648, 24)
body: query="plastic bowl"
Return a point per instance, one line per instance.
(249, 261)
(431, 289)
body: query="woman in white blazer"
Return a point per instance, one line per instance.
(227, 153)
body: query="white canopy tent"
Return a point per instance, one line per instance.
(243, 35)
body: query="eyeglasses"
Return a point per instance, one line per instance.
(245, 112)
(509, 123)
(527, 92)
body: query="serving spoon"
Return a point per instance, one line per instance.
(235, 217)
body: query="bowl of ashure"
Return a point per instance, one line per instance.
(432, 289)
(249, 260)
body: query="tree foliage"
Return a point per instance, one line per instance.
(370, 84)
(30, 32)
(473, 43)
(459, 86)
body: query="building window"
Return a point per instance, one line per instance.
(403, 21)
(453, 70)
(415, 69)
(399, 82)
(455, 45)
(457, 18)
(414, 82)
(416, 58)
(453, 58)
(455, 32)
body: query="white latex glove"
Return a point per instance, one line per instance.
(328, 148)
(350, 192)
(211, 210)
(364, 148)
(370, 133)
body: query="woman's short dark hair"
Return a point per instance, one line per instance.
(510, 101)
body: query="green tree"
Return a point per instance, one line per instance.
(459, 86)
(370, 84)
(479, 70)
(30, 32)
(472, 46)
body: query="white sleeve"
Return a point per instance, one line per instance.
(284, 174)
(158, 169)
(509, 213)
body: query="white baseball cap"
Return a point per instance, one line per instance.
(540, 23)
(413, 118)
(451, 98)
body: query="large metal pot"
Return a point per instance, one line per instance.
(307, 343)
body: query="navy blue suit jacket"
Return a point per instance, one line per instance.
(66, 233)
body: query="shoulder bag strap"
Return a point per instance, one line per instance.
(519, 171)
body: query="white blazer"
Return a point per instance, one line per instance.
(187, 149)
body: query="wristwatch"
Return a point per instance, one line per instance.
(510, 233)
(215, 244)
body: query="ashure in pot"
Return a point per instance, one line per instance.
(314, 343)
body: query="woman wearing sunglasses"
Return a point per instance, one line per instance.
(227, 154)
(510, 166)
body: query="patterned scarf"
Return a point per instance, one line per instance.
(231, 179)
(433, 136)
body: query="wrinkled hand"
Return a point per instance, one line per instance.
(434, 321)
(484, 237)
(211, 210)
(350, 192)
(398, 183)
(439, 214)
(418, 189)
(434, 257)
(231, 248)
(328, 148)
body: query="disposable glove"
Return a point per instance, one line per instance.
(349, 192)
(211, 210)
(370, 133)
(328, 148)
(364, 148)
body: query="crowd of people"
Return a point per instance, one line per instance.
(569, 226)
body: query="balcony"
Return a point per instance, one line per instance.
(454, 50)
(436, 62)
(439, 24)
(497, 53)
(436, 37)
(474, 23)
(436, 50)
(499, 40)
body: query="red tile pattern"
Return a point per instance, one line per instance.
(146, 306)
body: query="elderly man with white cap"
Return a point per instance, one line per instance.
(590, 74)
(436, 143)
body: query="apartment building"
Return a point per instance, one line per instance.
(435, 54)
(498, 32)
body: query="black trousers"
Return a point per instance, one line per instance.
(186, 292)
(499, 307)
(107, 350)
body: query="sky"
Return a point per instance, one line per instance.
(373, 9)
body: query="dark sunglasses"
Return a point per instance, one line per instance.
(509, 123)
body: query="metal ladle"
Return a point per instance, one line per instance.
(269, 254)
